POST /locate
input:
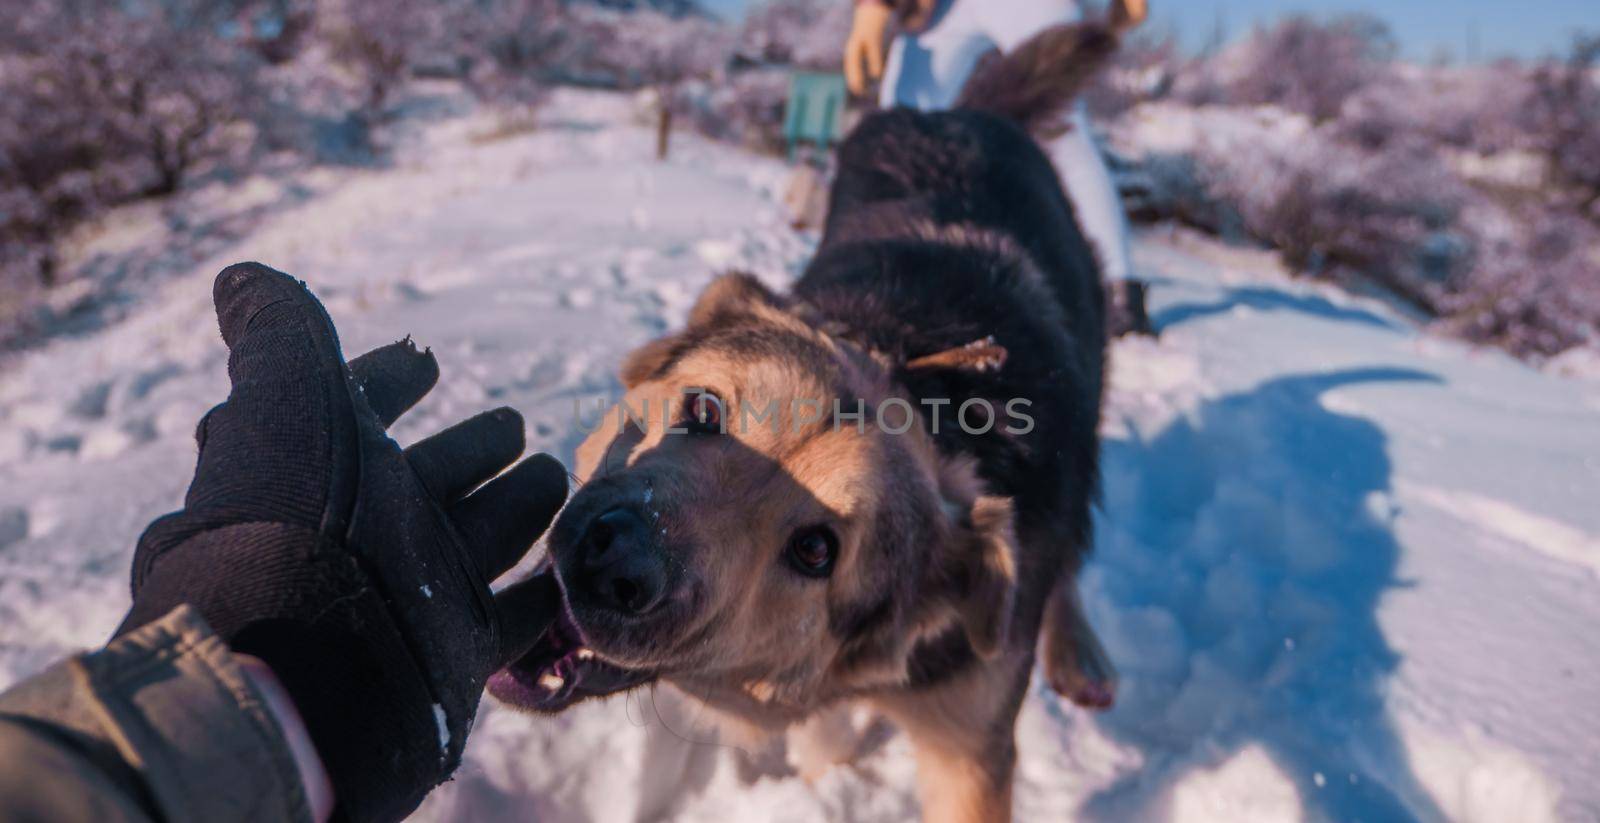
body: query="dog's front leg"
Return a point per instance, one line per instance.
(963, 786)
(962, 732)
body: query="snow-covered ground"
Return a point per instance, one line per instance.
(1347, 571)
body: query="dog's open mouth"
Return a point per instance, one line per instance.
(561, 670)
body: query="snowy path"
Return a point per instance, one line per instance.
(1346, 571)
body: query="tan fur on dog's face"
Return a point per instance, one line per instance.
(918, 550)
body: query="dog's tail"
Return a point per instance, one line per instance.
(1035, 84)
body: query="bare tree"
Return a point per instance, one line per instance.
(663, 53)
(380, 41)
(513, 47)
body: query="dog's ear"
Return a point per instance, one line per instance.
(984, 564)
(727, 298)
(648, 360)
(730, 296)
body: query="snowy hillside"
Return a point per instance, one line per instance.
(1347, 571)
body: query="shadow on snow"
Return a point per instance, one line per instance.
(1241, 559)
(1268, 299)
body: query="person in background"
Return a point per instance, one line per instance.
(310, 635)
(938, 45)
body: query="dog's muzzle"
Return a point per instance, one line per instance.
(623, 567)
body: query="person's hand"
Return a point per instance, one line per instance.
(357, 571)
(863, 52)
(1128, 14)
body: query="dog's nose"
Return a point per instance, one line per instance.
(623, 566)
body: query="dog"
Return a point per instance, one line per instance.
(875, 488)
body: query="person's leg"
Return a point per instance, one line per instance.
(1008, 23)
(1094, 196)
(926, 70)
(1104, 223)
(894, 76)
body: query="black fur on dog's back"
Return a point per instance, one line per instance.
(949, 227)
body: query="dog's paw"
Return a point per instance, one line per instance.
(1086, 693)
(1075, 664)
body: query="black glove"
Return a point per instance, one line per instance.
(359, 572)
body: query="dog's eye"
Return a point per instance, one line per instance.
(704, 412)
(812, 551)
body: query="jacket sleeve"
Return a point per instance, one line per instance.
(159, 725)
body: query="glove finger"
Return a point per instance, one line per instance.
(502, 519)
(270, 322)
(287, 421)
(527, 610)
(458, 459)
(394, 377)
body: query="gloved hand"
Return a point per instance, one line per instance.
(863, 51)
(359, 572)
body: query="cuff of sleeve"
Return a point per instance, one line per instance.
(179, 709)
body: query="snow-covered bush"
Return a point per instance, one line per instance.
(1145, 68)
(1331, 207)
(511, 47)
(277, 30)
(746, 109)
(155, 82)
(1522, 277)
(1564, 111)
(102, 102)
(648, 49)
(1536, 296)
(804, 33)
(1472, 193)
(777, 38)
(1471, 108)
(664, 54)
(380, 42)
(1171, 186)
(1307, 65)
(515, 50)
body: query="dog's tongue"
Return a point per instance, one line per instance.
(544, 679)
(552, 677)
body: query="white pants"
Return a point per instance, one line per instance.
(927, 70)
